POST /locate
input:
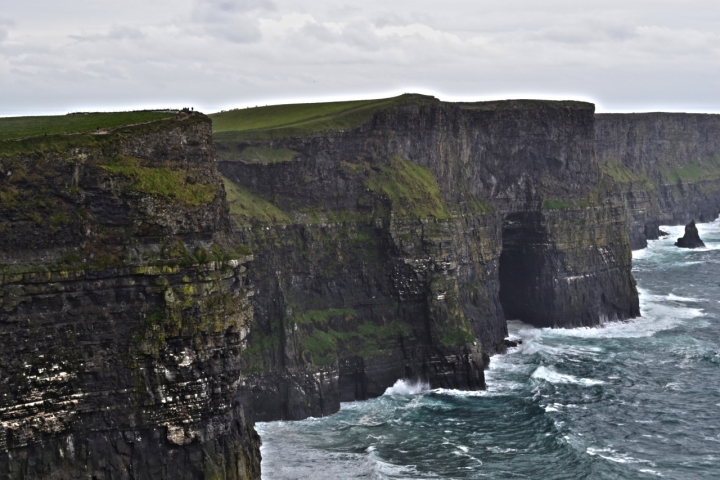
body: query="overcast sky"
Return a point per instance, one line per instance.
(624, 55)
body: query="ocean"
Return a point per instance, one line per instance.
(629, 400)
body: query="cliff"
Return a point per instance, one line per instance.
(393, 238)
(124, 304)
(151, 309)
(666, 165)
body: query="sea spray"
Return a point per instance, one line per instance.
(407, 387)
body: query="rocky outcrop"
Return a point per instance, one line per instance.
(667, 167)
(399, 247)
(691, 239)
(124, 309)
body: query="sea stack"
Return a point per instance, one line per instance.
(691, 238)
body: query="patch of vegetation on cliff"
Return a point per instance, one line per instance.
(297, 120)
(478, 206)
(267, 155)
(190, 309)
(365, 340)
(411, 189)
(620, 173)
(322, 316)
(248, 209)
(553, 204)
(20, 127)
(708, 169)
(172, 184)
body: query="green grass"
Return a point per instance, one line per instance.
(477, 205)
(410, 188)
(20, 127)
(553, 204)
(280, 121)
(61, 144)
(266, 155)
(161, 181)
(366, 340)
(322, 316)
(620, 173)
(709, 169)
(248, 209)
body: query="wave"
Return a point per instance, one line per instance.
(407, 387)
(552, 376)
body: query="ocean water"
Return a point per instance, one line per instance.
(631, 400)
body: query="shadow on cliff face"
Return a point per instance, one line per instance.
(521, 267)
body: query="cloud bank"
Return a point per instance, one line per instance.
(219, 54)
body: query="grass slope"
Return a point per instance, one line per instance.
(160, 181)
(21, 127)
(410, 188)
(278, 121)
(248, 209)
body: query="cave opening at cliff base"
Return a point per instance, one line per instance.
(521, 269)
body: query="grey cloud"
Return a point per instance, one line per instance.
(319, 32)
(5, 24)
(232, 21)
(585, 31)
(117, 33)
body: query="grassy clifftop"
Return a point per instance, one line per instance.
(21, 127)
(22, 135)
(280, 121)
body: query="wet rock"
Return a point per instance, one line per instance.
(691, 239)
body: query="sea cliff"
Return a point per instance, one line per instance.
(124, 307)
(667, 166)
(398, 247)
(164, 286)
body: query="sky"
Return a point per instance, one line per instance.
(91, 55)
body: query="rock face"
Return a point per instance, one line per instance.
(666, 167)
(398, 248)
(124, 308)
(691, 239)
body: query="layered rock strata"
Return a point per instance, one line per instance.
(124, 309)
(667, 166)
(399, 247)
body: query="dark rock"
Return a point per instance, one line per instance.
(691, 239)
(512, 343)
(663, 233)
(123, 312)
(511, 222)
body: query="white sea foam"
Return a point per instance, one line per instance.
(678, 298)
(658, 312)
(613, 456)
(552, 376)
(407, 387)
